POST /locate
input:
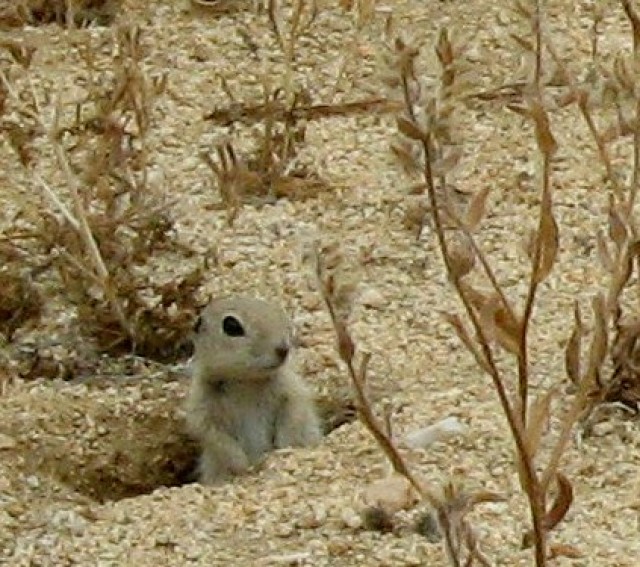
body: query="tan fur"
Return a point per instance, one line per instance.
(245, 400)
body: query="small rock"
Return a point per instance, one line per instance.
(284, 530)
(193, 553)
(68, 520)
(603, 429)
(7, 442)
(390, 494)
(314, 519)
(440, 431)
(371, 297)
(351, 518)
(338, 547)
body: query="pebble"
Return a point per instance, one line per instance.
(603, 429)
(351, 518)
(373, 298)
(7, 442)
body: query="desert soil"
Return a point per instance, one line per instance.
(67, 450)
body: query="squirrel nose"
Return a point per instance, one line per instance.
(282, 351)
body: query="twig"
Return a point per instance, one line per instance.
(365, 411)
(50, 194)
(634, 18)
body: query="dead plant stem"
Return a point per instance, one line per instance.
(516, 426)
(483, 262)
(537, 31)
(582, 100)
(371, 421)
(523, 363)
(86, 235)
(634, 19)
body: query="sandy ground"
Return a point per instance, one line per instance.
(61, 502)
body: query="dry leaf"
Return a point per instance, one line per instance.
(461, 258)
(558, 511)
(544, 137)
(548, 241)
(463, 335)
(537, 422)
(603, 253)
(410, 129)
(484, 497)
(561, 504)
(524, 43)
(404, 151)
(444, 49)
(617, 228)
(497, 321)
(520, 109)
(599, 342)
(477, 209)
(564, 550)
(346, 346)
(445, 54)
(572, 353)
(509, 330)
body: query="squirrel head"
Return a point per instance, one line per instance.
(241, 338)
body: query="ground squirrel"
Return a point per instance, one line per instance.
(245, 400)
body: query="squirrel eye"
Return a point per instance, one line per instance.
(198, 325)
(232, 327)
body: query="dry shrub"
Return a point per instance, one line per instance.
(609, 372)
(624, 385)
(156, 316)
(113, 228)
(16, 13)
(451, 503)
(20, 300)
(271, 171)
(217, 8)
(128, 216)
(493, 326)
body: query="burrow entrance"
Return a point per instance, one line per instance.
(132, 450)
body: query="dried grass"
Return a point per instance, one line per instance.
(16, 13)
(105, 231)
(493, 326)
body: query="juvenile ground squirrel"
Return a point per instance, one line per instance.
(245, 400)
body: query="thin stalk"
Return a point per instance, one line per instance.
(537, 32)
(523, 363)
(582, 100)
(530, 479)
(633, 17)
(488, 271)
(370, 420)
